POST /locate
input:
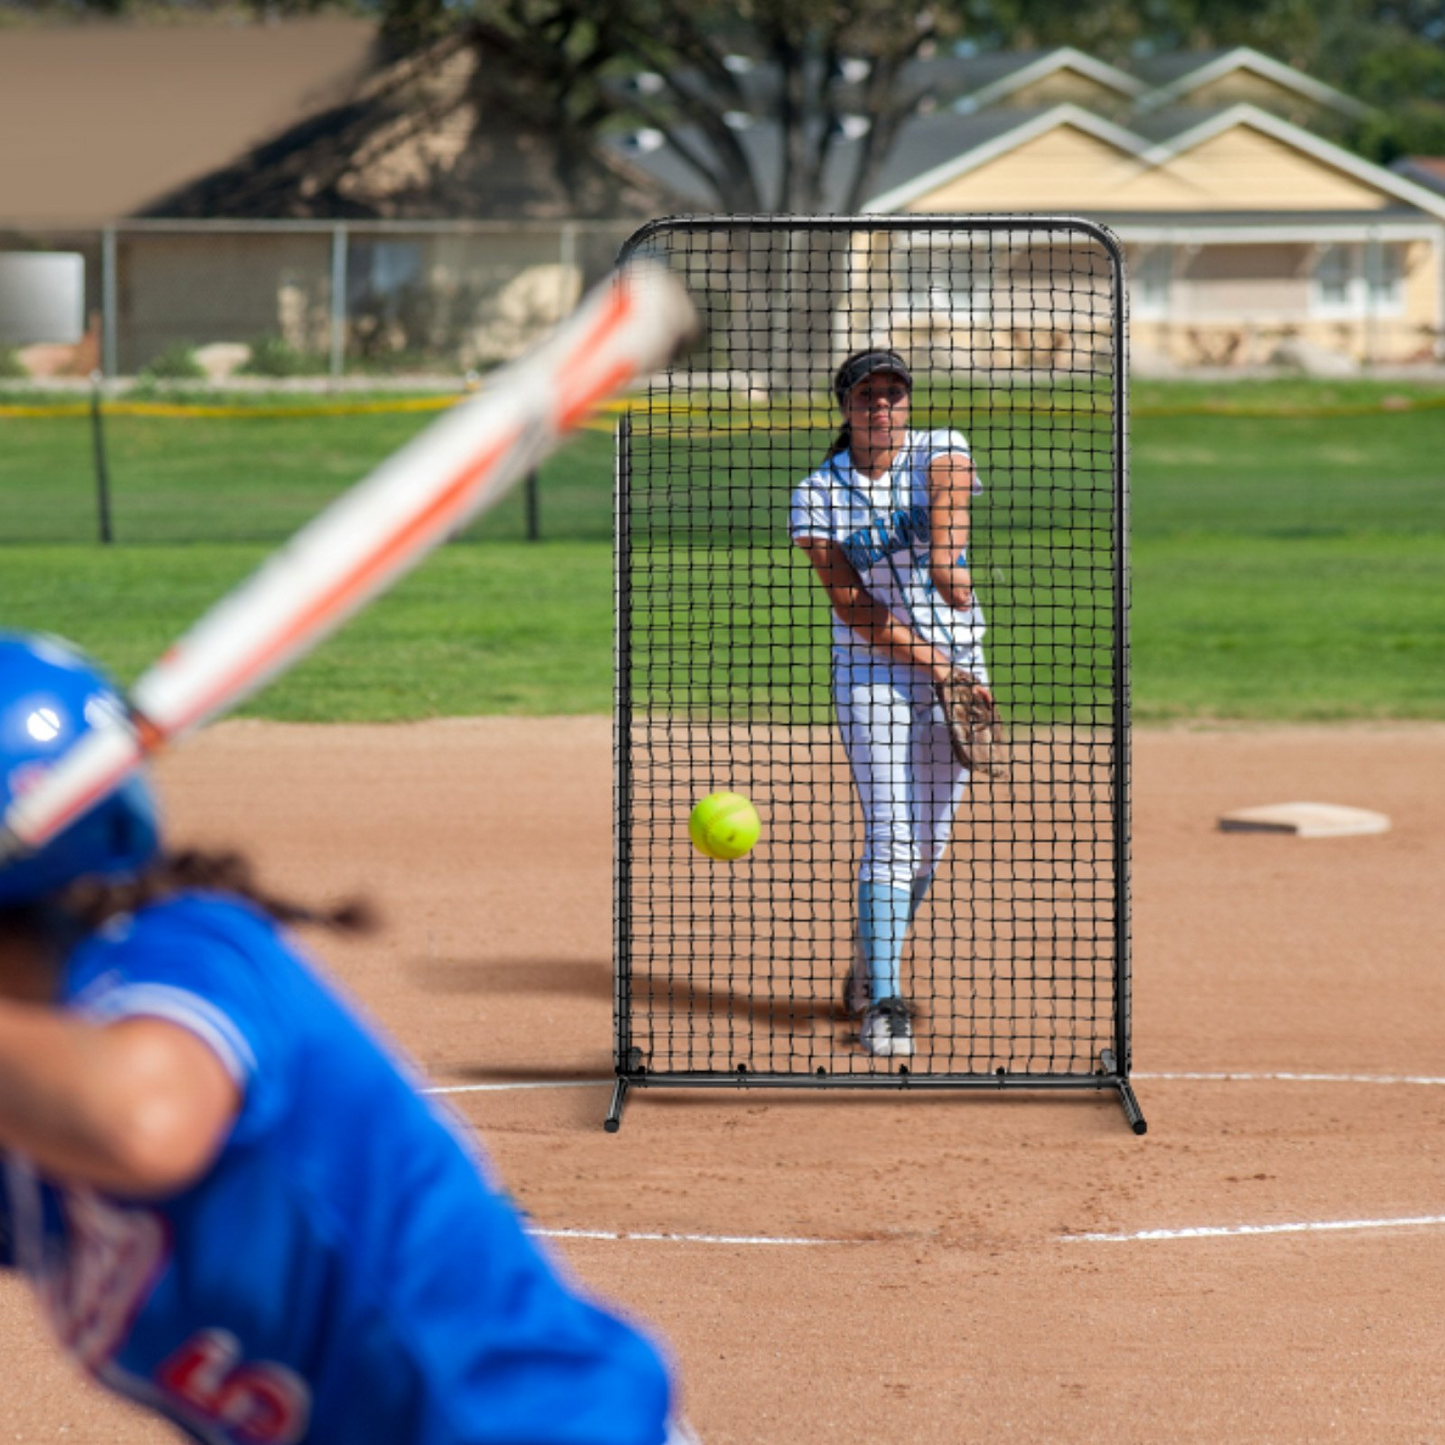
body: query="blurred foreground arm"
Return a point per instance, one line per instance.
(139, 1107)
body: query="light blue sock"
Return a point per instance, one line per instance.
(882, 924)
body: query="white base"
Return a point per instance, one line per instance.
(1306, 820)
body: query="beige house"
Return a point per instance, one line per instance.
(1248, 238)
(1251, 237)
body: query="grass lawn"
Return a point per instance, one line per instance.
(486, 628)
(1284, 566)
(1326, 628)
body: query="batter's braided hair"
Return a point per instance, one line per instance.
(94, 902)
(854, 368)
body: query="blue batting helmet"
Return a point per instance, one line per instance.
(50, 695)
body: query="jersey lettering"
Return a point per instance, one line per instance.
(253, 1400)
(857, 551)
(114, 1259)
(900, 532)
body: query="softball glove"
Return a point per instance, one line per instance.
(975, 731)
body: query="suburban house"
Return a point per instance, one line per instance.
(1251, 236)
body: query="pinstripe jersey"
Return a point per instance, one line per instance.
(882, 525)
(345, 1271)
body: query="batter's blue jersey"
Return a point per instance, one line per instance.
(344, 1273)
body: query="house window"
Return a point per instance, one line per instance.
(946, 284)
(1358, 280)
(1384, 279)
(391, 266)
(384, 294)
(1333, 281)
(1151, 276)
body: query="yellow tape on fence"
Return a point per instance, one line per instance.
(1386, 405)
(69, 409)
(190, 410)
(187, 412)
(667, 410)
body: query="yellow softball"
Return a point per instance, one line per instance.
(724, 826)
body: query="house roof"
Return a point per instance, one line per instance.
(1157, 140)
(962, 73)
(1392, 217)
(1029, 70)
(1160, 126)
(1388, 182)
(98, 119)
(999, 133)
(939, 147)
(1167, 66)
(976, 81)
(1175, 80)
(927, 141)
(969, 122)
(932, 142)
(1427, 171)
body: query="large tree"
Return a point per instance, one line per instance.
(823, 74)
(824, 64)
(832, 79)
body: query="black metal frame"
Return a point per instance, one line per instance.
(1113, 1064)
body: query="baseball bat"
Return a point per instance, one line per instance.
(462, 464)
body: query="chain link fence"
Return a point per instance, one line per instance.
(213, 392)
(283, 300)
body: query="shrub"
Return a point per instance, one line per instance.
(176, 363)
(275, 356)
(11, 366)
(399, 363)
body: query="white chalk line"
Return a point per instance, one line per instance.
(1229, 1231)
(519, 1084)
(1202, 1231)
(1230, 1077)
(1223, 1231)
(609, 1234)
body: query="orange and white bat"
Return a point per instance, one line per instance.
(465, 462)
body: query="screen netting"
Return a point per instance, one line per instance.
(1015, 965)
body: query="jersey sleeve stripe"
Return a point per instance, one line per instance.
(178, 1006)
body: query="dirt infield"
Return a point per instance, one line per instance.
(933, 1268)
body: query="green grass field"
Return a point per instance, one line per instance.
(1288, 565)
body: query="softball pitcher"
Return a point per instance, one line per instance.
(884, 521)
(230, 1200)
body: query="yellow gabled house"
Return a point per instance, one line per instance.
(1248, 239)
